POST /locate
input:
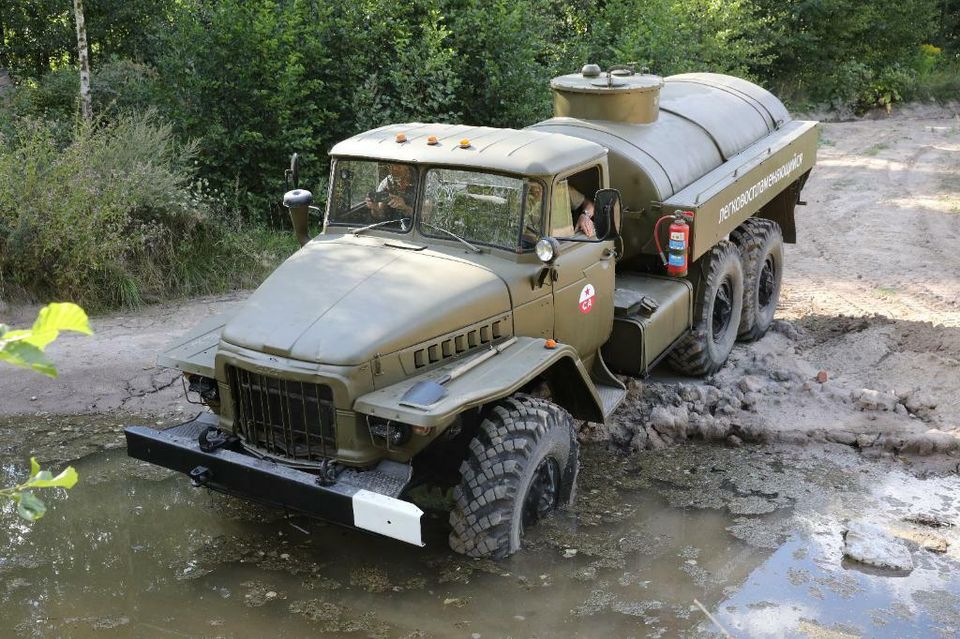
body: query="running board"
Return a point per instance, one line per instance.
(610, 390)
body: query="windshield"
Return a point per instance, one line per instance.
(367, 192)
(482, 208)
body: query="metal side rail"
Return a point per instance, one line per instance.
(237, 473)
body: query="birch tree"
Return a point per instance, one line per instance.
(83, 55)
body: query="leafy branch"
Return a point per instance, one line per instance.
(29, 506)
(25, 348)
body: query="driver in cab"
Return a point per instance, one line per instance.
(394, 195)
(583, 211)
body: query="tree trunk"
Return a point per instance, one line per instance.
(83, 56)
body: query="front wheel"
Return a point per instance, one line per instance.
(520, 467)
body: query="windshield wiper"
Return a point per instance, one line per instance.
(402, 220)
(475, 249)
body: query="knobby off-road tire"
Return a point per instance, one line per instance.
(716, 314)
(521, 465)
(761, 250)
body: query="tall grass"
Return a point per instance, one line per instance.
(113, 216)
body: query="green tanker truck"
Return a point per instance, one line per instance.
(473, 294)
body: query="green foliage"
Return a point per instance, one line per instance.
(847, 53)
(672, 37)
(241, 78)
(117, 87)
(37, 36)
(29, 506)
(25, 348)
(112, 218)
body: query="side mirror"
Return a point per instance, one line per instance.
(607, 213)
(298, 203)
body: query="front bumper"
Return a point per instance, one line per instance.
(349, 501)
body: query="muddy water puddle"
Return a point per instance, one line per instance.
(754, 534)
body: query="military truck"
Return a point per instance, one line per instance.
(474, 293)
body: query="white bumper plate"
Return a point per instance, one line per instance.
(387, 516)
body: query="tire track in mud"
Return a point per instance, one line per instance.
(870, 242)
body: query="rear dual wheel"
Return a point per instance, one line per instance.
(761, 249)
(716, 314)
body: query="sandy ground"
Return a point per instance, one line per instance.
(871, 298)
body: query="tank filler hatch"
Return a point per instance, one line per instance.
(616, 95)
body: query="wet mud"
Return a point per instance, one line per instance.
(753, 533)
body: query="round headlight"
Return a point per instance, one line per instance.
(547, 249)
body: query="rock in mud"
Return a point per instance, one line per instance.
(929, 520)
(844, 437)
(868, 399)
(751, 384)
(866, 440)
(869, 544)
(932, 441)
(919, 403)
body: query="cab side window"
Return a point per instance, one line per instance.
(572, 205)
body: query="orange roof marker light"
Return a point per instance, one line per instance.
(464, 143)
(401, 138)
(432, 140)
(550, 343)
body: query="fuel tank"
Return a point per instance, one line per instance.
(662, 134)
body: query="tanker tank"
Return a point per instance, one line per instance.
(680, 142)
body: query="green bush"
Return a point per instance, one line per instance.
(117, 87)
(111, 219)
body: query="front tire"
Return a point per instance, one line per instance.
(761, 248)
(521, 465)
(716, 317)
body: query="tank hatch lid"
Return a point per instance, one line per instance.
(615, 81)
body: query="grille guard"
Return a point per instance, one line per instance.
(225, 469)
(283, 418)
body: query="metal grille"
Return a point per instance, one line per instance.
(283, 417)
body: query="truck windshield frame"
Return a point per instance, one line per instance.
(516, 228)
(367, 191)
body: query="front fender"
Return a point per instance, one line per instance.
(496, 378)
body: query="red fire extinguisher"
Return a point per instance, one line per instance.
(678, 243)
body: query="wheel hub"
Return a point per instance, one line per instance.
(766, 284)
(722, 308)
(543, 495)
